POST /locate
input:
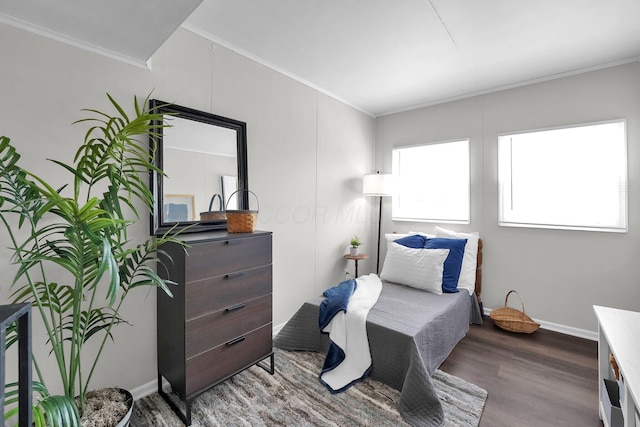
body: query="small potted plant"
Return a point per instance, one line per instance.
(355, 246)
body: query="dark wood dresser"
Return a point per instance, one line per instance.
(219, 321)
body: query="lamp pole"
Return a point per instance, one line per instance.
(379, 228)
(377, 185)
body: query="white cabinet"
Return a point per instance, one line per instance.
(619, 334)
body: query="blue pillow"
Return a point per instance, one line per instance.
(413, 241)
(453, 263)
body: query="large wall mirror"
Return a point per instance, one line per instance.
(204, 158)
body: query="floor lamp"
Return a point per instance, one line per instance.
(380, 185)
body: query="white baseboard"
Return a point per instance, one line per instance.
(556, 327)
(278, 328)
(144, 390)
(563, 329)
(152, 386)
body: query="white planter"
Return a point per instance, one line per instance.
(354, 251)
(98, 413)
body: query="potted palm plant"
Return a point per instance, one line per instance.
(76, 263)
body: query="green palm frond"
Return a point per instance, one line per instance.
(80, 231)
(91, 322)
(57, 297)
(136, 268)
(16, 195)
(11, 335)
(50, 411)
(56, 411)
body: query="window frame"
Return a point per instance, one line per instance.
(504, 187)
(462, 219)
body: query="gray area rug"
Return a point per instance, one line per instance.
(295, 397)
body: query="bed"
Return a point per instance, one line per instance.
(411, 332)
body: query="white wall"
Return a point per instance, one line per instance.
(306, 155)
(211, 167)
(560, 274)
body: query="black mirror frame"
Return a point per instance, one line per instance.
(158, 225)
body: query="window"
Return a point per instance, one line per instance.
(432, 182)
(569, 178)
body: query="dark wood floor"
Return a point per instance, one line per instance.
(542, 379)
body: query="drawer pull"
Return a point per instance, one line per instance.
(235, 341)
(234, 275)
(234, 307)
(234, 242)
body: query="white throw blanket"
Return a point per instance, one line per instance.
(349, 332)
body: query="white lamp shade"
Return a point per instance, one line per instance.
(378, 184)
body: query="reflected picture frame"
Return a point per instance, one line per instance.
(179, 207)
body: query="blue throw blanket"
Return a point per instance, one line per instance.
(336, 300)
(343, 315)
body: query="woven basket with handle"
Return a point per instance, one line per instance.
(242, 221)
(513, 320)
(212, 215)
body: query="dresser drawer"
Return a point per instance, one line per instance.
(221, 326)
(220, 292)
(227, 359)
(219, 257)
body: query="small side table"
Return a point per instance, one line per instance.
(357, 258)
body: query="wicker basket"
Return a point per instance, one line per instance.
(211, 215)
(242, 221)
(614, 366)
(513, 320)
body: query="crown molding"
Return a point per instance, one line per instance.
(53, 35)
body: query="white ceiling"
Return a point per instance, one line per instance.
(389, 55)
(379, 56)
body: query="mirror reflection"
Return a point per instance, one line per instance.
(203, 157)
(201, 164)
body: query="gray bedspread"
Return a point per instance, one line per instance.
(411, 332)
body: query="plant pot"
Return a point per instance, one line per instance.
(354, 251)
(127, 417)
(102, 413)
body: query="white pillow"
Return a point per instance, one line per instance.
(467, 278)
(417, 268)
(427, 235)
(392, 237)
